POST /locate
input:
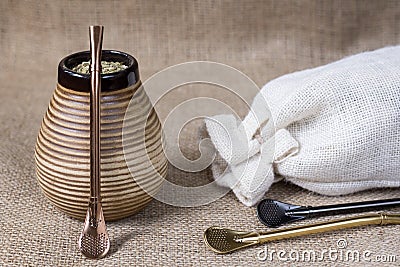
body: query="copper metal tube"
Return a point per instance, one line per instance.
(94, 241)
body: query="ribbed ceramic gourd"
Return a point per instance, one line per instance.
(63, 144)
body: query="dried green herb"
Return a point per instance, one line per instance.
(106, 67)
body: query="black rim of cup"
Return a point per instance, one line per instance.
(109, 82)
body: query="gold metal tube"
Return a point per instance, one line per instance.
(223, 240)
(373, 219)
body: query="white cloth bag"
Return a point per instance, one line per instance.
(333, 130)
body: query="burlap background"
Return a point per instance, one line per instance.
(264, 39)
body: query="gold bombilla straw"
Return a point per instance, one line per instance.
(94, 241)
(222, 240)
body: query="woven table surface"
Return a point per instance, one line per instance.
(263, 39)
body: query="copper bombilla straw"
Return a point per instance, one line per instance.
(94, 241)
(96, 39)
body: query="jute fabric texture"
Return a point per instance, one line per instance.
(263, 39)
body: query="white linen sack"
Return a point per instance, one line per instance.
(333, 130)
